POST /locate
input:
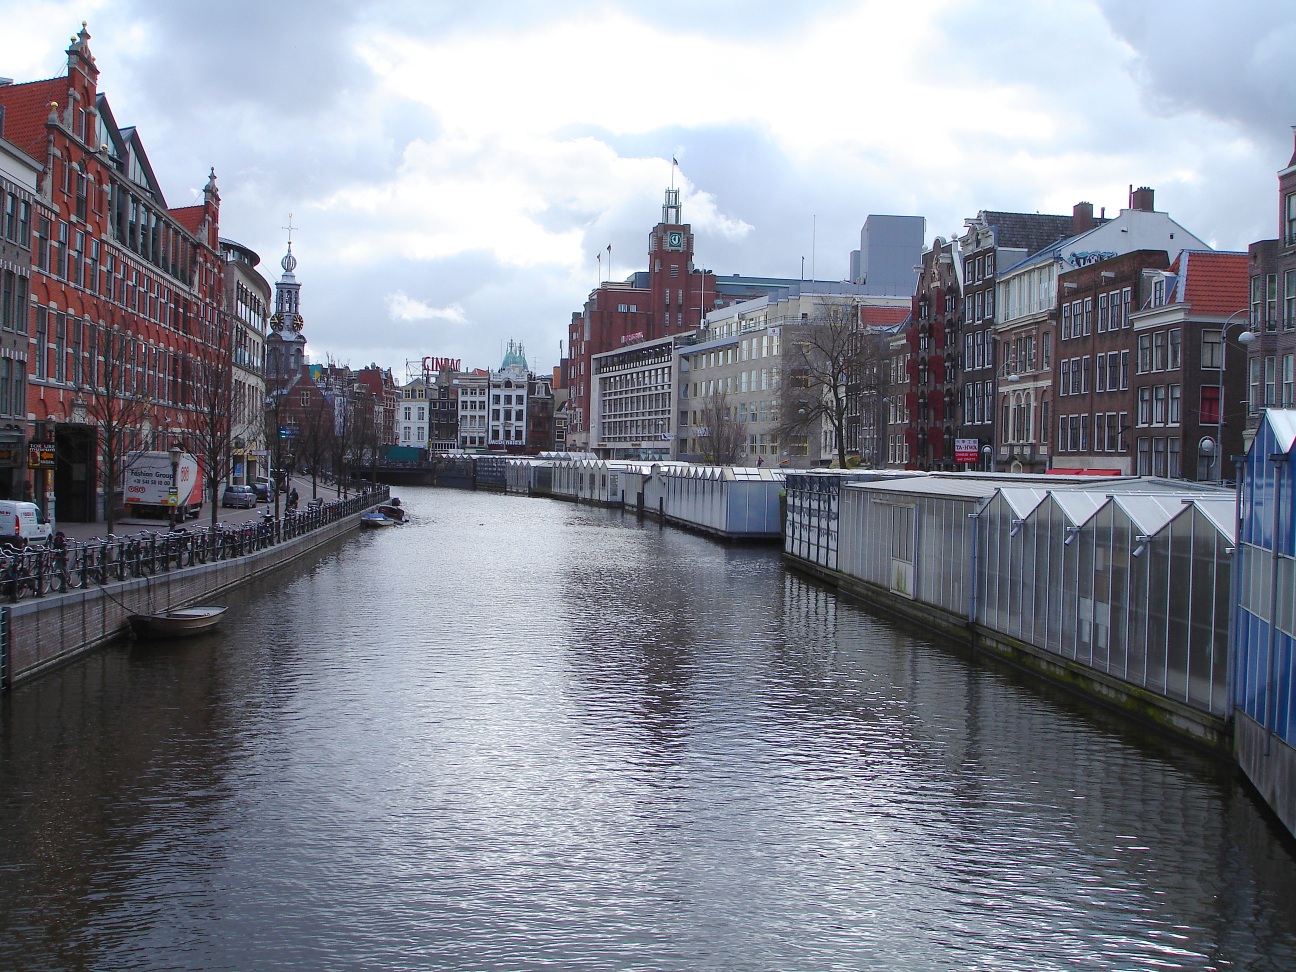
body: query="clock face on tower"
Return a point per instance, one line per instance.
(675, 240)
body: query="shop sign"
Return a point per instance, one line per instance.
(967, 450)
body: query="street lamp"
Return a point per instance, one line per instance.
(985, 451)
(1245, 338)
(176, 453)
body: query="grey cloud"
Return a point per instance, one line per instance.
(1231, 62)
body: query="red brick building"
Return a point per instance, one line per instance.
(670, 298)
(931, 364)
(110, 259)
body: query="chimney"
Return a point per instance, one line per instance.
(1141, 199)
(1082, 218)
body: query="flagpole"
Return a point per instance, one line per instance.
(609, 263)
(599, 258)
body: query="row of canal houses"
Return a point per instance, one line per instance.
(1173, 602)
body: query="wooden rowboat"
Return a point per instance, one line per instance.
(180, 623)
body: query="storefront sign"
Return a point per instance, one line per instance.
(967, 450)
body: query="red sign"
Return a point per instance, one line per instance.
(435, 365)
(967, 450)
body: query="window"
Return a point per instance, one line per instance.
(1066, 322)
(1212, 349)
(1103, 317)
(1144, 354)
(1124, 370)
(1289, 300)
(1159, 405)
(1176, 350)
(1287, 380)
(1088, 314)
(1209, 411)
(1253, 394)
(1145, 406)
(1271, 380)
(1176, 406)
(1289, 220)
(1159, 351)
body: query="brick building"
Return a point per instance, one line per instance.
(19, 203)
(993, 240)
(930, 379)
(1271, 358)
(111, 262)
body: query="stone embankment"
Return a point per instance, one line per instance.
(87, 603)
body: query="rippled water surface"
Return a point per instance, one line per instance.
(517, 734)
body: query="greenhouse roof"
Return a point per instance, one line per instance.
(1023, 499)
(949, 486)
(1283, 423)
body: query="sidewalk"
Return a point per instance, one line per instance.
(129, 526)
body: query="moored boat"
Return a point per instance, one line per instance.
(178, 623)
(393, 511)
(373, 519)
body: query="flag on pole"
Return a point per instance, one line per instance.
(674, 161)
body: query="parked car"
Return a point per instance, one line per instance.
(262, 488)
(242, 497)
(22, 523)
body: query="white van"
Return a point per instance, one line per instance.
(22, 523)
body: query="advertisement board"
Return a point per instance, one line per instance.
(967, 450)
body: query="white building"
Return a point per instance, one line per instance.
(412, 415)
(741, 356)
(632, 400)
(474, 409)
(508, 400)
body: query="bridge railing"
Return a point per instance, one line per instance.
(41, 569)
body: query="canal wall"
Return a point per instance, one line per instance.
(1150, 708)
(52, 630)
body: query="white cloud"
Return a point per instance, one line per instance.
(402, 307)
(481, 156)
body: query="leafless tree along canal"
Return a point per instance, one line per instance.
(517, 734)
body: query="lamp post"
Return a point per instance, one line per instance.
(175, 494)
(985, 451)
(1245, 338)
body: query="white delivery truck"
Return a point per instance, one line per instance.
(146, 485)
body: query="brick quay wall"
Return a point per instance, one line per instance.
(52, 630)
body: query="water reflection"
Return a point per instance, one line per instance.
(519, 734)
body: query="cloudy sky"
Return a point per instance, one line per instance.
(453, 169)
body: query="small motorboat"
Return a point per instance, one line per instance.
(393, 511)
(373, 519)
(179, 623)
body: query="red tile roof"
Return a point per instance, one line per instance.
(27, 107)
(1214, 283)
(190, 217)
(882, 316)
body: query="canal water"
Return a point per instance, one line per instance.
(518, 734)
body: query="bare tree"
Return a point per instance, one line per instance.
(821, 358)
(315, 442)
(117, 409)
(719, 431)
(212, 395)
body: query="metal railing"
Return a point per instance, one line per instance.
(41, 569)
